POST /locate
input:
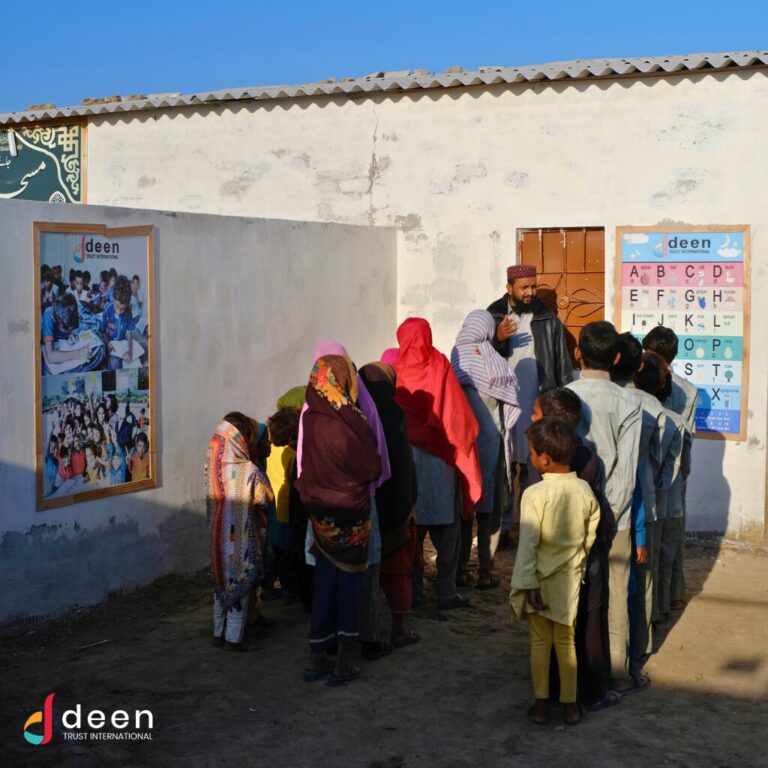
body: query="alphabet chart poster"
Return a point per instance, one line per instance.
(695, 281)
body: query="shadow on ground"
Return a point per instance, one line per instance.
(456, 698)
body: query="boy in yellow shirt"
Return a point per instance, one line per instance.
(558, 521)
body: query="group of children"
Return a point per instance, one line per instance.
(113, 311)
(79, 285)
(368, 463)
(600, 554)
(89, 440)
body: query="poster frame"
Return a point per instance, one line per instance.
(148, 231)
(747, 288)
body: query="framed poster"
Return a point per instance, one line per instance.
(94, 361)
(43, 162)
(694, 280)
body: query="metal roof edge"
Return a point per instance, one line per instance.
(384, 82)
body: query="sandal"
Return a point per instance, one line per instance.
(491, 583)
(375, 651)
(610, 699)
(535, 720)
(312, 674)
(335, 681)
(463, 578)
(641, 683)
(457, 601)
(408, 639)
(573, 720)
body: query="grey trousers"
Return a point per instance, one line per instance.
(670, 557)
(642, 602)
(677, 587)
(654, 556)
(447, 541)
(619, 560)
(511, 511)
(369, 625)
(488, 531)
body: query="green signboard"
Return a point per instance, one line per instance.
(42, 162)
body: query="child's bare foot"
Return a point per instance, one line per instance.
(537, 713)
(571, 713)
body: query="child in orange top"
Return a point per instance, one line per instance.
(138, 463)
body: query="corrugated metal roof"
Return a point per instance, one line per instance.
(378, 82)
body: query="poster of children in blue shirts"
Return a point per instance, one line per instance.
(94, 297)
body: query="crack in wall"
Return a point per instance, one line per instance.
(374, 170)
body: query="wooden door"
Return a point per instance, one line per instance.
(571, 273)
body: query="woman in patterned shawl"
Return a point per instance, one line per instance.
(492, 393)
(340, 460)
(237, 495)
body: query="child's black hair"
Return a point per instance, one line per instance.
(662, 341)
(654, 376)
(557, 439)
(121, 290)
(248, 428)
(599, 344)
(104, 276)
(112, 272)
(631, 352)
(65, 312)
(142, 438)
(284, 426)
(46, 273)
(137, 278)
(562, 404)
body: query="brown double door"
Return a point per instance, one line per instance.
(571, 273)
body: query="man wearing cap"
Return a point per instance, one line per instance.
(532, 338)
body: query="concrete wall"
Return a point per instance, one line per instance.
(458, 171)
(240, 304)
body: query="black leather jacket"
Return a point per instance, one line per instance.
(552, 359)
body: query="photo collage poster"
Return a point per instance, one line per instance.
(696, 283)
(96, 429)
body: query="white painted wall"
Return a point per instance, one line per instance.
(240, 305)
(459, 170)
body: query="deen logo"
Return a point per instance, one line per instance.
(95, 249)
(46, 718)
(79, 252)
(96, 720)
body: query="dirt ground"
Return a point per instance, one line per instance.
(456, 698)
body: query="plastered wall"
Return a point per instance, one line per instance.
(239, 306)
(458, 171)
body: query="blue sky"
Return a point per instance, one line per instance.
(59, 53)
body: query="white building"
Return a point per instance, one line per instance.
(477, 170)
